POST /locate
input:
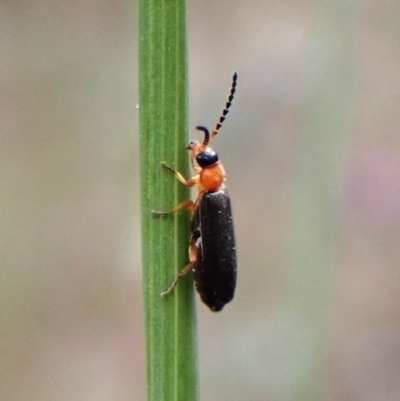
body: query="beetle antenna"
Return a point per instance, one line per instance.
(206, 135)
(227, 106)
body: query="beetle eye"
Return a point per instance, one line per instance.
(207, 158)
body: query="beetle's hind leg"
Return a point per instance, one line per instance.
(186, 270)
(193, 249)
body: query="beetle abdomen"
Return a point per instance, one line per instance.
(215, 267)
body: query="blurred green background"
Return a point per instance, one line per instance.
(312, 153)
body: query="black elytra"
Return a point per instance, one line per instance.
(215, 269)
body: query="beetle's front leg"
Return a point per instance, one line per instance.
(188, 205)
(189, 183)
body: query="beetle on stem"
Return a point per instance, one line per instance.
(212, 251)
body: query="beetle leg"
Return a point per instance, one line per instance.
(190, 182)
(179, 276)
(193, 260)
(188, 205)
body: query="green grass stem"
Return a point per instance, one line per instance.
(163, 111)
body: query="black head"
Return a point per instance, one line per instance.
(207, 158)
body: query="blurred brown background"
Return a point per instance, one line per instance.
(312, 152)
